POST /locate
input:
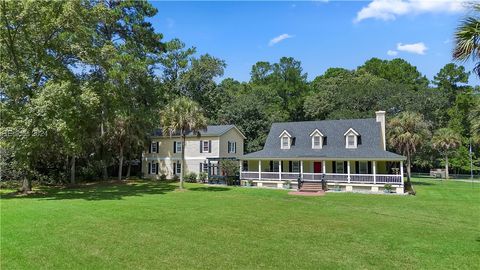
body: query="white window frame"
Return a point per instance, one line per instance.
(232, 147)
(204, 167)
(153, 146)
(337, 163)
(319, 146)
(285, 136)
(360, 165)
(353, 141)
(178, 147)
(349, 133)
(153, 168)
(206, 146)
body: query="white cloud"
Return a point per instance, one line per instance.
(418, 48)
(391, 9)
(392, 53)
(276, 40)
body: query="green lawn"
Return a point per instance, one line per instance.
(150, 225)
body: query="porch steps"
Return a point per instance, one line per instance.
(311, 187)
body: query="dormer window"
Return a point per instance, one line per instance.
(351, 138)
(285, 140)
(317, 139)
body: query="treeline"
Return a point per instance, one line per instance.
(83, 82)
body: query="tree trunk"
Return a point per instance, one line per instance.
(129, 168)
(446, 166)
(183, 158)
(120, 164)
(104, 159)
(26, 185)
(72, 171)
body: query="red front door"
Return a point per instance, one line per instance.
(317, 167)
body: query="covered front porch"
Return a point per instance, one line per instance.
(337, 172)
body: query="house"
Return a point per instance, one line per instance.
(349, 155)
(203, 151)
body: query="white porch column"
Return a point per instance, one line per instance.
(348, 170)
(259, 170)
(241, 168)
(401, 170)
(324, 166)
(374, 165)
(301, 169)
(280, 169)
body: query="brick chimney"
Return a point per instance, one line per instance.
(381, 120)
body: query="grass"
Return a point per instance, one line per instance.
(151, 225)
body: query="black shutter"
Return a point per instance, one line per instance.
(334, 166)
(157, 147)
(201, 167)
(324, 141)
(149, 169)
(156, 167)
(345, 167)
(369, 169)
(174, 168)
(290, 169)
(209, 146)
(359, 140)
(150, 148)
(174, 147)
(357, 167)
(201, 146)
(235, 143)
(229, 144)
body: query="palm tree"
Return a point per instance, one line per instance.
(444, 141)
(467, 39)
(406, 132)
(183, 116)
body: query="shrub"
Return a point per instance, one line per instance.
(191, 177)
(163, 177)
(203, 176)
(175, 177)
(387, 188)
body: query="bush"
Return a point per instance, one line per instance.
(191, 177)
(203, 176)
(163, 177)
(175, 177)
(387, 188)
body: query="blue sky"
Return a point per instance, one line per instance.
(321, 34)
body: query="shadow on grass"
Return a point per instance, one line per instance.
(416, 183)
(214, 189)
(97, 192)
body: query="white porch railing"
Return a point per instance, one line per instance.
(329, 177)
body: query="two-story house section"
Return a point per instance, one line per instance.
(203, 151)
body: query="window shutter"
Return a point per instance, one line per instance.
(149, 169)
(334, 166)
(158, 147)
(345, 167)
(174, 168)
(201, 167)
(174, 147)
(369, 167)
(235, 148)
(290, 166)
(357, 167)
(324, 141)
(359, 140)
(156, 167)
(209, 146)
(229, 147)
(150, 148)
(201, 146)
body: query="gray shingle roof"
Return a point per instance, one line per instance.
(369, 130)
(216, 130)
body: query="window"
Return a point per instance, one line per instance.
(316, 142)
(178, 147)
(204, 167)
(351, 138)
(285, 142)
(153, 147)
(178, 168)
(232, 147)
(245, 165)
(295, 166)
(363, 167)
(339, 167)
(274, 166)
(206, 146)
(153, 168)
(351, 141)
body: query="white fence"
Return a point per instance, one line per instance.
(329, 177)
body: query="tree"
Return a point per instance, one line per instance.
(406, 132)
(467, 39)
(448, 80)
(445, 141)
(182, 116)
